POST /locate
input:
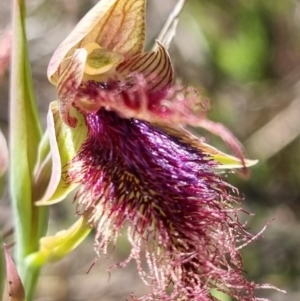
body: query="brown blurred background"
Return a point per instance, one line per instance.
(246, 57)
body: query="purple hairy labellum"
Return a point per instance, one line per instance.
(118, 134)
(164, 187)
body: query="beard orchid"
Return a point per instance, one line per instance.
(118, 136)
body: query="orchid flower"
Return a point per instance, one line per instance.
(118, 136)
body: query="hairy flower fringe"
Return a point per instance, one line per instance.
(182, 216)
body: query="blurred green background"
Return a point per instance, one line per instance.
(246, 57)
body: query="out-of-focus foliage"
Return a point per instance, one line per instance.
(246, 56)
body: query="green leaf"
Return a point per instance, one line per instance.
(25, 135)
(25, 132)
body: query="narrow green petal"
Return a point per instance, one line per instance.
(227, 161)
(53, 248)
(227, 136)
(65, 143)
